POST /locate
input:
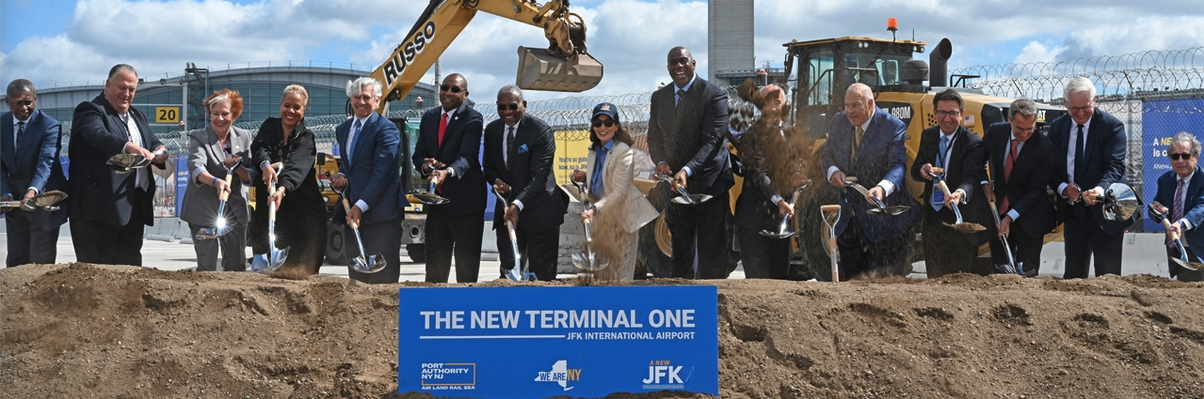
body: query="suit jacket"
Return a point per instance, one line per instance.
(298, 175)
(691, 134)
(205, 151)
(755, 208)
(622, 197)
(1104, 158)
(372, 169)
(965, 171)
(1031, 171)
(460, 151)
(35, 165)
(880, 156)
(97, 193)
(1193, 206)
(529, 173)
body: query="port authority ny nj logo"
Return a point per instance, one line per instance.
(560, 374)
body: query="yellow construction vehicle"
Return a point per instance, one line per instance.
(565, 65)
(826, 68)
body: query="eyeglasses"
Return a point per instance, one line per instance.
(503, 107)
(942, 114)
(608, 122)
(453, 89)
(1181, 155)
(1024, 130)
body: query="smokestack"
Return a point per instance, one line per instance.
(938, 68)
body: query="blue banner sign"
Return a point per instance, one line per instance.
(183, 176)
(1162, 120)
(535, 342)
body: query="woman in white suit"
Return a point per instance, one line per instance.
(213, 150)
(619, 208)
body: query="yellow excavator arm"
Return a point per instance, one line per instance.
(564, 66)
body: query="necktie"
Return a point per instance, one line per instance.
(1079, 165)
(595, 186)
(509, 144)
(442, 128)
(20, 132)
(677, 96)
(856, 141)
(355, 131)
(1177, 209)
(1007, 171)
(938, 196)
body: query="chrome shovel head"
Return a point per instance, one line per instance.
(892, 210)
(49, 201)
(209, 233)
(779, 234)
(692, 199)
(590, 262)
(375, 263)
(966, 227)
(124, 163)
(267, 263)
(430, 198)
(1120, 202)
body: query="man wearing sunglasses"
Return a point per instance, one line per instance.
(1181, 198)
(1093, 143)
(686, 130)
(29, 165)
(518, 164)
(448, 151)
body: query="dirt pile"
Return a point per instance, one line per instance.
(110, 331)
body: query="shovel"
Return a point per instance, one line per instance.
(587, 260)
(516, 273)
(959, 225)
(880, 208)
(271, 261)
(1182, 260)
(221, 227)
(831, 215)
(430, 198)
(48, 201)
(685, 198)
(374, 263)
(124, 163)
(1011, 267)
(782, 229)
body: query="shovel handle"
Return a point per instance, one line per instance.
(347, 208)
(225, 194)
(1167, 225)
(945, 188)
(829, 208)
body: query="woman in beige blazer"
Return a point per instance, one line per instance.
(619, 208)
(212, 151)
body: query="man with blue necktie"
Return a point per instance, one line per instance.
(29, 165)
(1184, 190)
(959, 154)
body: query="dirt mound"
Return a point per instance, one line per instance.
(115, 331)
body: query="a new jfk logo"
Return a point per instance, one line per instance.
(658, 369)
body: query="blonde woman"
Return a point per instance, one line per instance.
(618, 206)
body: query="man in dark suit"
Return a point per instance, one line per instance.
(109, 210)
(368, 177)
(1184, 193)
(686, 130)
(771, 173)
(867, 142)
(448, 150)
(29, 165)
(1021, 163)
(1092, 163)
(518, 163)
(960, 153)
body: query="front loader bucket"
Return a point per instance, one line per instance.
(538, 70)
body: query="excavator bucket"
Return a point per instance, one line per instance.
(538, 70)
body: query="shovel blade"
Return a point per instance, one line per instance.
(778, 234)
(373, 264)
(966, 228)
(589, 262)
(430, 199)
(514, 274)
(692, 199)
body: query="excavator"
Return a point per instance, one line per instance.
(564, 65)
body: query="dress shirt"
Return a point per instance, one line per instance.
(887, 187)
(1183, 200)
(1074, 132)
(506, 153)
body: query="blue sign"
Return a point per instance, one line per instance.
(1159, 123)
(183, 176)
(535, 342)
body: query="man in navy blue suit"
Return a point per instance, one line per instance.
(29, 165)
(448, 150)
(1018, 189)
(1092, 142)
(369, 177)
(108, 211)
(867, 142)
(1181, 198)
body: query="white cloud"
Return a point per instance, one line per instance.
(1037, 52)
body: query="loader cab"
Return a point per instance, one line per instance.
(826, 68)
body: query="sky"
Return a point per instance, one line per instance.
(58, 42)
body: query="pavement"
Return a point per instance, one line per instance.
(1144, 253)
